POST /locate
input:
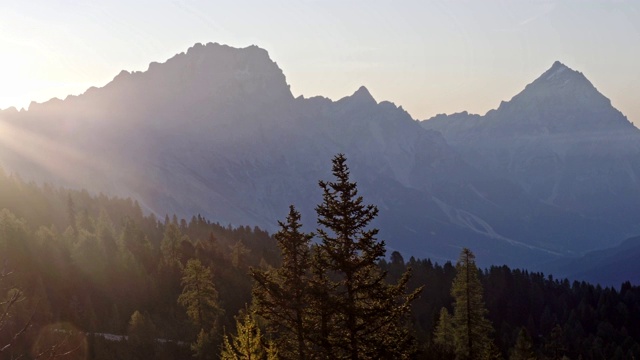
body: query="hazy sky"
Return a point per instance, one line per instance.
(428, 56)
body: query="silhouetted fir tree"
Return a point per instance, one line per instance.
(369, 314)
(471, 327)
(281, 295)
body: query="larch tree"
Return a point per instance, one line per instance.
(199, 296)
(170, 245)
(444, 334)
(471, 327)
(202, 346)
(523, 350)
(281, 295)
(141, 336)
(248, 343)
(239, 253)
(368, 313)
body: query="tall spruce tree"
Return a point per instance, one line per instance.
(471, 327)
(281, 295)
(368, 313)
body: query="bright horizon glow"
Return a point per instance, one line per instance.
(428, 57)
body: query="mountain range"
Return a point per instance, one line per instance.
(216, 131)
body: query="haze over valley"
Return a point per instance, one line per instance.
(550, 174)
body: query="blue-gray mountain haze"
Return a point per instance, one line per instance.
(216, 131)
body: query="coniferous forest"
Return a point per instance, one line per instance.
(86, 276)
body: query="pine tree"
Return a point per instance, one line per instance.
(367, 322)
(471, 327)
(281, 296)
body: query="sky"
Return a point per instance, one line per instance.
(429, 57)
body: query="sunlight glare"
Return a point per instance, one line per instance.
(15, 82)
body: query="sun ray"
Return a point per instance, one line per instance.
(60, 160)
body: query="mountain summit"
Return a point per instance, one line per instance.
(561, 100)
(562, 141)
(560, 76)
(206, 76)
(560, 73)
(361, 96)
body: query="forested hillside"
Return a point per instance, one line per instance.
(92, 276)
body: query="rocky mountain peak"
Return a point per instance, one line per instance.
(556, 69)
(561, 100)
(361, 96)
(559, 80)
(215, 69)
(560, 75)
(203, 76)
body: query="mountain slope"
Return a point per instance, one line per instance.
(216, 131)
(609, 267)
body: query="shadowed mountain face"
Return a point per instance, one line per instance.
(562, 142)
(216, 131)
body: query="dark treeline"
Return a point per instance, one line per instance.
(563, 318)
(88, 270)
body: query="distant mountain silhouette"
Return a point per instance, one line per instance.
(216, 131)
